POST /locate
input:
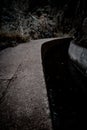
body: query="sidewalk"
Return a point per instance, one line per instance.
(23, 96)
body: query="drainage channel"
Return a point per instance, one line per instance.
(65, 86)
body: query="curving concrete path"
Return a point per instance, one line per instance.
(23, 96)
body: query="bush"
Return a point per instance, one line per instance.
(8, 37)
(12, 39)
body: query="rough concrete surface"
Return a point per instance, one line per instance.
(23, 96)
(78, 54)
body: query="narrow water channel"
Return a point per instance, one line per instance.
(65, 87)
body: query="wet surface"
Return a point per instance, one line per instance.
(66, 88)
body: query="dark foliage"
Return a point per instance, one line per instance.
(72, 16)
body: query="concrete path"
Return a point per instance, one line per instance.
(23, 96)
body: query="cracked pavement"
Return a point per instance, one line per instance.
(23, 96)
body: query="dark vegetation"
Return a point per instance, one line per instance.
(35, 19)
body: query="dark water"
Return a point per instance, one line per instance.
(66, 88)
